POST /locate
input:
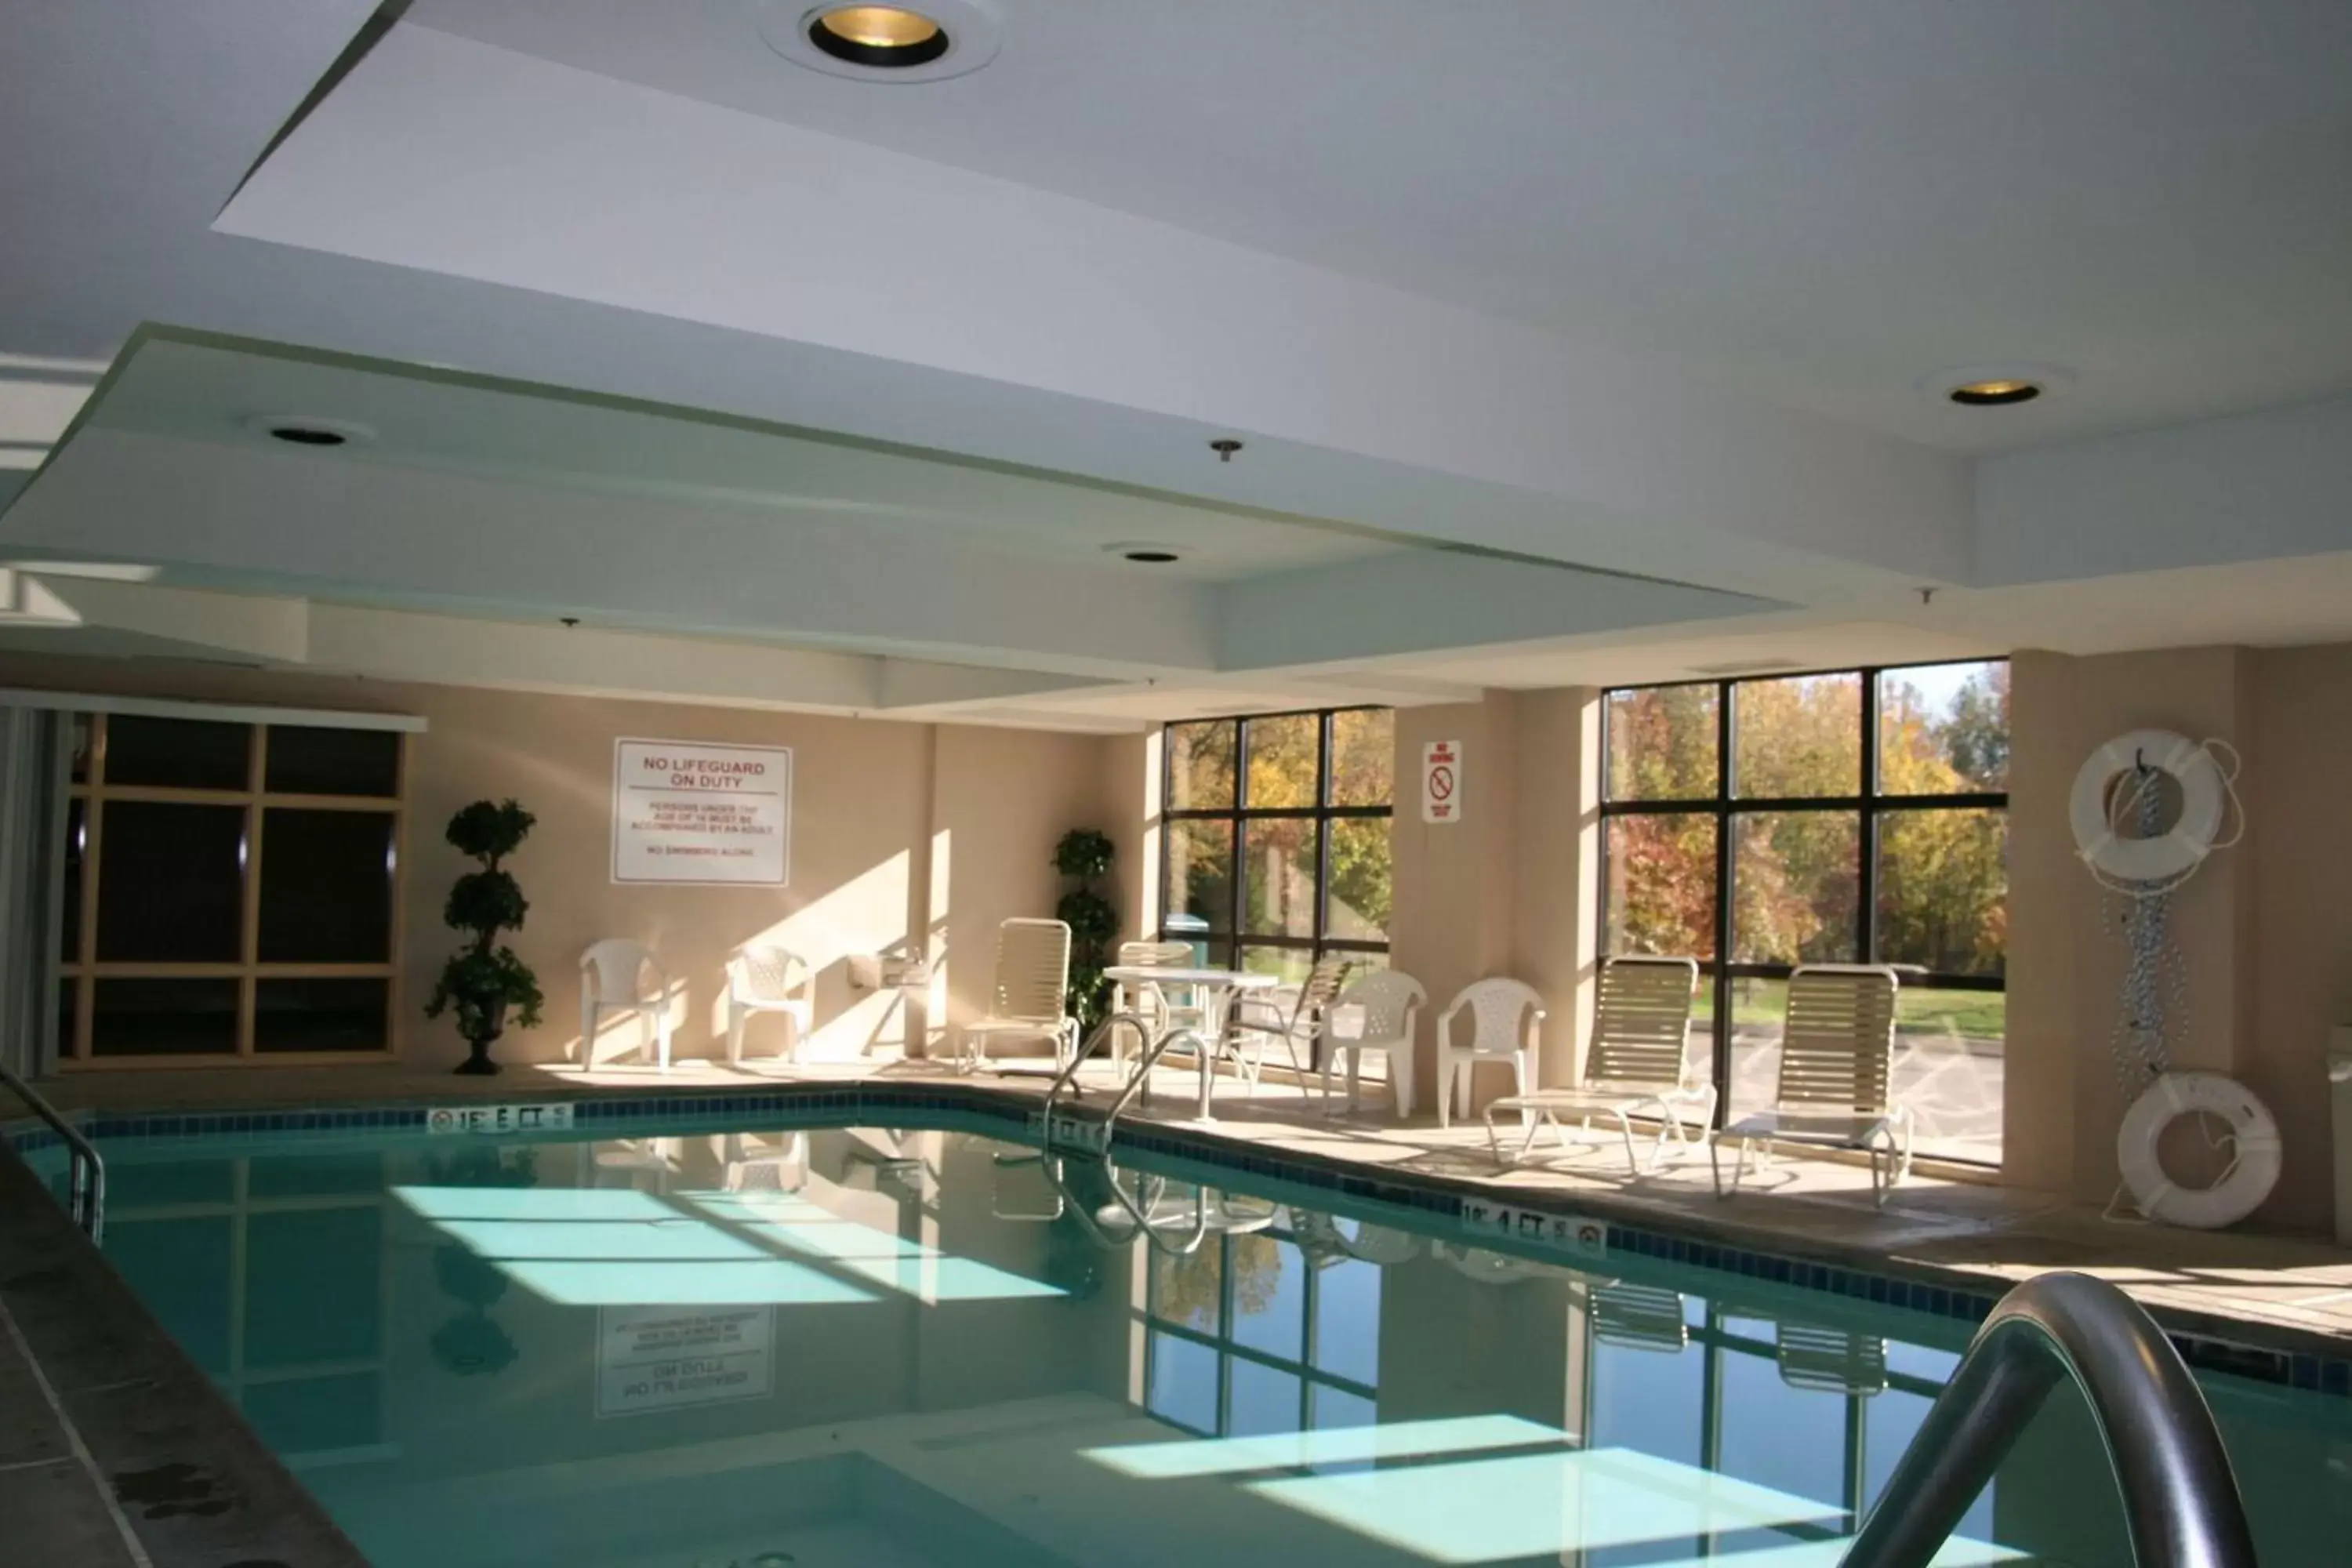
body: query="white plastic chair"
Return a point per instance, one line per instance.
(1506, 1023)
(1837, 1064)
(1029, 1001)
(1384, 1007)
(770, 980)
(612, 975)
(1635, 1066)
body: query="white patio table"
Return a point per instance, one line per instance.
(1214, 990)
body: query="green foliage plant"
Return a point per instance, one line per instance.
(485, 982)
(1085, 856)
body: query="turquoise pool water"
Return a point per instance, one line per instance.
(748, 1350)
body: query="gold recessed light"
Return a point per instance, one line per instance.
(890, 37)
(1995, 393)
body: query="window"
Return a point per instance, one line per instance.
(1243, 1338)
(1858, 816)
(231, 891)
(1276, 836)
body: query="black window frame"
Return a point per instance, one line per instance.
(1868, 805)
(1230, 942)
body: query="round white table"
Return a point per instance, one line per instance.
(1215, 989)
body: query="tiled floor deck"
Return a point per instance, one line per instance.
(2300, 1289)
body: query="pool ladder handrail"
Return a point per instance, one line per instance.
(85, 1169)
(1139, 1080)
(2180, 1498)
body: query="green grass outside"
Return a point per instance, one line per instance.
(1980, 1015)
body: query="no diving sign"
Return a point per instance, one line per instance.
(1441, 781)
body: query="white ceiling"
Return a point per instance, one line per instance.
(210, 391)
(1818, 202)
(875, 369)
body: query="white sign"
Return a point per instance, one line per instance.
(1553, 1232)
(543, 1118)
(685, 812)
(663, 1358)
(1441, 781)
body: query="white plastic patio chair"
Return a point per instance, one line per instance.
(1383, 1008)
(1837, 1057)
(1506, 1025)
(770, 980)
(1634, 1065)
(756, 1166)
(1260, 1019)
(1029, 999)
(613, 975)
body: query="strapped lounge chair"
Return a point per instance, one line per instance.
(1638, 1316)
(1259, 1020)
(1640, 1022)
(1837, 1056)
(1831, 1360)
(1029, 1000)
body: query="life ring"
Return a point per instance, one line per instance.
(2251, 1177)
(2167, 855)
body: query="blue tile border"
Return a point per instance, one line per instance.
(1959, 1297)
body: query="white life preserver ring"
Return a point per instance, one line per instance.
(2167, 855)
(2251, 1178)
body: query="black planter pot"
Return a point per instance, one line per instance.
(479, 1065)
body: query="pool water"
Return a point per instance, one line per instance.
(722, 1348)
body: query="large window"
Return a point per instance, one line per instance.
(230, 891)
(1277, 835)
(1861, 815)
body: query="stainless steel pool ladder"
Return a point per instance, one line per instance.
(2180, 1499)
(1139, 1080)
(84, 1170)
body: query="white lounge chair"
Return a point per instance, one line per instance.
(1830, 1360)
(1384, 1007)
(1837, 1056)
(613, 975)
(1030, 998)
(769, 980)
(1635, 1066)
(1505, 1025)
(1639, 1317)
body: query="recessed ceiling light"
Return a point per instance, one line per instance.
(1994, 393)
(1143, 552)
(938, 39)
(1996, 385)
(305, 430)
(883, 36)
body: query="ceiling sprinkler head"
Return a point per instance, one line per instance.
(1225, 446)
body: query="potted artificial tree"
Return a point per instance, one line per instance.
(485, 980)
(1085, 856)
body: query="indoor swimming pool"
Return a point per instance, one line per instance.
(709, 1347)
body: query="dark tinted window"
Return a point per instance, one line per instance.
(164, 1017)
(304, 760)
(178, 754)
(171, 882)
(320, 1015)
(326, 886)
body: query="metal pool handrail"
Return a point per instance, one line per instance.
(85, 1172)
(2180, 1498)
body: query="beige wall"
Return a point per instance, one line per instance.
(903, 834)
(1499, 891)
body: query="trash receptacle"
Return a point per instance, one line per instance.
(1194, 930)
(2339, 1098)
